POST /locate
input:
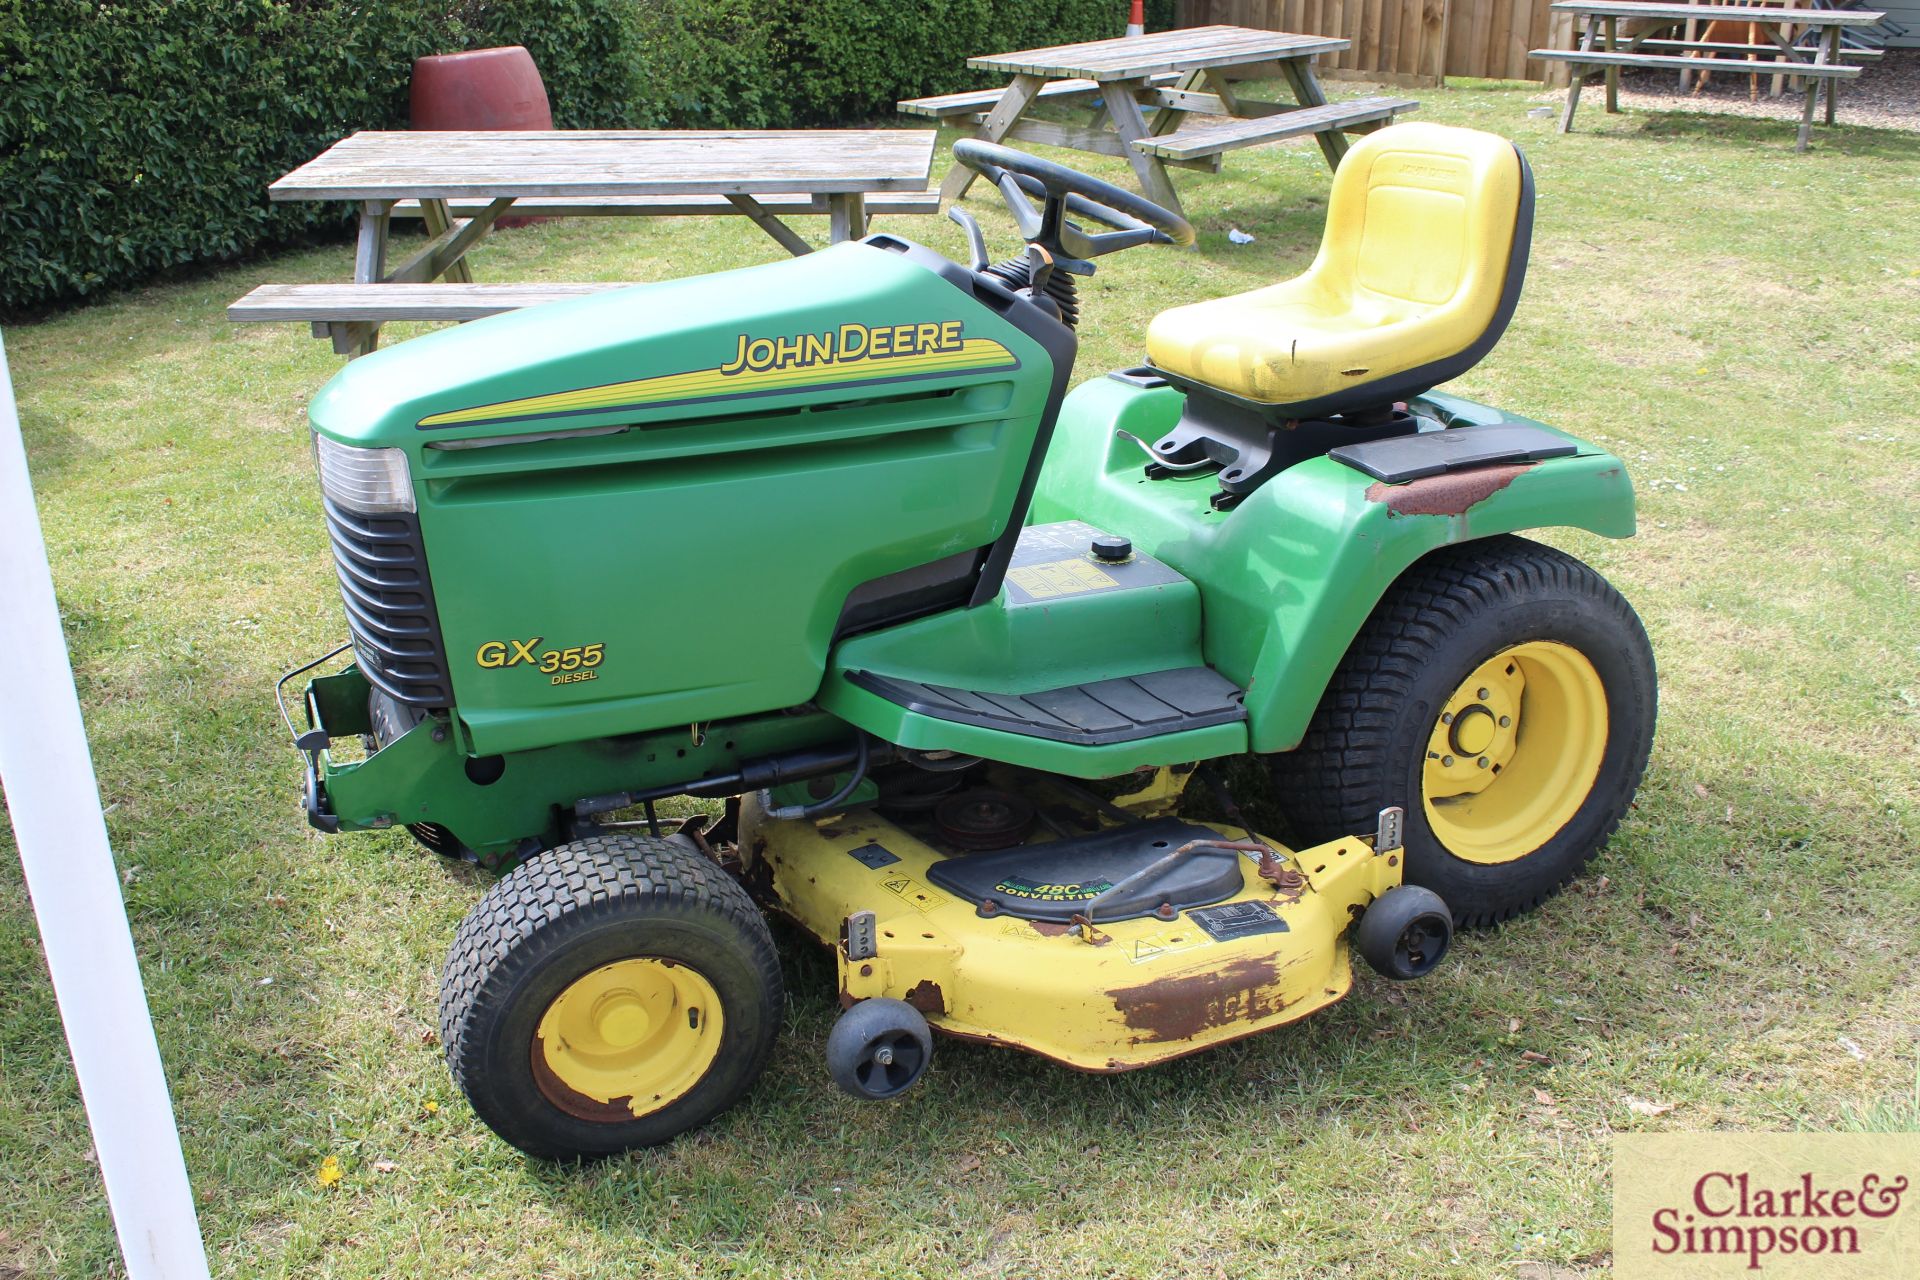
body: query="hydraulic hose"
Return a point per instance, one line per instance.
(832, 802)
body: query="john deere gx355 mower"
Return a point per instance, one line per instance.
(830, 540)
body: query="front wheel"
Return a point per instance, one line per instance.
(611, 993)
(1503, 693)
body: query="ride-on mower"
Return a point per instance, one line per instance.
(828, 540)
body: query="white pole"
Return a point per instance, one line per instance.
(48, 777)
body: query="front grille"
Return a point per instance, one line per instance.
(383, 582)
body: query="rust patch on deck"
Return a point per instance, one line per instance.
(1447, 494)
(1181, 1007)
(926, 996)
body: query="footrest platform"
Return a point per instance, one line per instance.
(1096, 714)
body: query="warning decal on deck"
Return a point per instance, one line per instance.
(1164, 943)
(1238, 920)
(913, 893)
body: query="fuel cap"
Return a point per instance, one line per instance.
(1111, 547)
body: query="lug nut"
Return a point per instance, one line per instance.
(1506, 722)
(1446, 717)
(1446, 762)
(883, 1055)
(1483, 695)
(1483, 762)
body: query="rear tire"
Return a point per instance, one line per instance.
(1543, 671)
(612, 993)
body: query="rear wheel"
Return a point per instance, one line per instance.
(1503, 693)
(612, 993)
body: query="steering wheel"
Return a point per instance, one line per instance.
(1133, 219)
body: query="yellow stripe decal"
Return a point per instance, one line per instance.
(727, 383)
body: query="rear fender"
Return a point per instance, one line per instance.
(1288, 577)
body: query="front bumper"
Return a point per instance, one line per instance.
(333, 706)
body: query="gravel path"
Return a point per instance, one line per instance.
(1886, 95)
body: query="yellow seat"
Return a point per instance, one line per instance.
(1426, 244)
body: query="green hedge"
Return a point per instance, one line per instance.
(782, 63)
(138, 136)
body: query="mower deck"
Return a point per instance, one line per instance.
(996, 946)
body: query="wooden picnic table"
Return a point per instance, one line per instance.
(440, 176)
(1599, 47)
(1160, 100)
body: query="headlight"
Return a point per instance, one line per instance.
(369, 481)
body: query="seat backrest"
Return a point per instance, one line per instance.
(1430, 221)
(1426, 215)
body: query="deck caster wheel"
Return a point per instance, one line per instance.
(879, 1049)
(1404, 934)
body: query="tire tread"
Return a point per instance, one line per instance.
(1332, 784)
(514, 925)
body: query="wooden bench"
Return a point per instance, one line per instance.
(1584, 61)
(676, 206)
(1716, 46)
(1211, 135)
(1824, 63)
(345, 312)
(944, 106)
(1785, 66)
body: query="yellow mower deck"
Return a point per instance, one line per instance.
(1126, 994)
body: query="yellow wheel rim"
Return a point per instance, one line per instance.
(1515, 751)
(627, 1039)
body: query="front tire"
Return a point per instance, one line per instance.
(612, 993)
(1503, 693)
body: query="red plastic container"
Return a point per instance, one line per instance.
(478, 90)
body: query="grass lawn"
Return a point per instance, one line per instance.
(1740, 323)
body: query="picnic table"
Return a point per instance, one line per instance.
(1653, 44)
(1160, 100)
(460, 183)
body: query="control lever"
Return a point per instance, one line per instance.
(1039, 272)
(976, 239)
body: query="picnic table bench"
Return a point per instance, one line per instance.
(1184, 78)
(459, 184)
(1599, 48)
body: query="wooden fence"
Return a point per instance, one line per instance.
(1408, 42)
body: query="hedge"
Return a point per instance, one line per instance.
(786, 63)
(138, 136)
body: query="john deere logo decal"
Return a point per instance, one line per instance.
(850, 342)
(851, 355)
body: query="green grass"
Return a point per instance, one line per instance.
(1740, 323)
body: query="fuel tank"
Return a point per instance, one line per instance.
(653, 506)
